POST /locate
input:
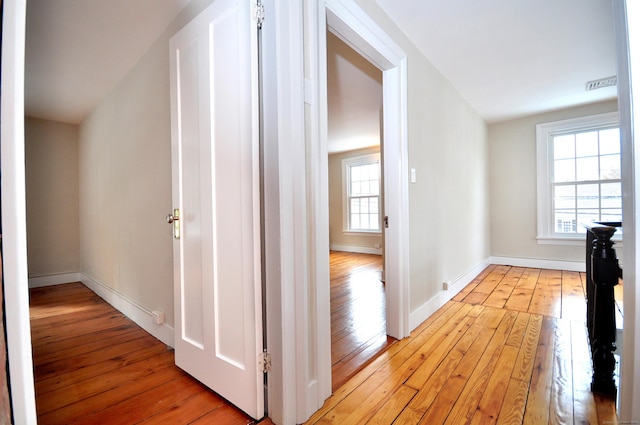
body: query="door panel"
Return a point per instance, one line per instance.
(218, 329)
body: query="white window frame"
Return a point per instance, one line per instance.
(544, 137)
(346, 164)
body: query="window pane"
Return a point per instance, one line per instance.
(610, 167)
(564, 171)
(565, 197)
(588, 216)
(611, 194)
(588, 196)
(587, 144)
(587, 169)
(565, 221)
(611, 215)
(375, 221)
(375, 187)
(355, 221)
(356, 189)
(373, 205)
(356, 172)
(355, 206)
(609, 141)
(564, 147)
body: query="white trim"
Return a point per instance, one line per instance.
(626, 15)
(140, 315)
(54, 279)
(539, 263)
(574, 241)
(544, 159)
(357, 249)
(423, 312)
(351, 24)
(14, 238)
(345, 19)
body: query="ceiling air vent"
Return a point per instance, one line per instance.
(601, 83)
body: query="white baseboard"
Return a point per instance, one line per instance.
(54, 279)
(423, 312)
(358, 249)
(573, 266)
(140, 315)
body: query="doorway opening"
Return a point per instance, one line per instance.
(356, 194)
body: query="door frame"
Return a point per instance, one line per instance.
(626, 20)
(351, 24)
(14, 222)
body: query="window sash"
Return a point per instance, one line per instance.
(581, 141)
(362, 194)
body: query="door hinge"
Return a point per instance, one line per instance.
(264, 360)
(259, 13)
(386, 221)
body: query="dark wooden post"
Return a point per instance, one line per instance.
(604, 272)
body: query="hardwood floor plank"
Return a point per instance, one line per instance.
(495, 392)
(357, 406)
(538, 402)
(561, 408)
(517, 369)
(106, 374)
(434, 384)
(489, 283)
(358, 313)
(441, 350)
(519, 330)
(520, 299)
(584, 407)
(512, 411)
(474, 283)
(502, 292)
(395, 357)
(574, 305)
(144, 405)
(547, 297)
(389, 411)
(467, 403)
(439, 409)
(526, 357)
(529, 279)
(73, 376)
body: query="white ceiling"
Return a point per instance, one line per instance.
(78, 50)
(507, 58)
(517, 57)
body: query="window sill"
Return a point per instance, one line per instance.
(362, 233)
(571, 241)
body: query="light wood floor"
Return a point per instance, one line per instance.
(95, 366)
(511, 348)
(358, 323)
(490, 355)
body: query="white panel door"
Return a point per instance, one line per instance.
(215, 162)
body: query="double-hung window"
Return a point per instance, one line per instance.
(579, 178)
(361, 188)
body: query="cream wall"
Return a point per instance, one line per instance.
(513, 186)
(448, 147)
(125, 181)
(53, 245)
(336, 236)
